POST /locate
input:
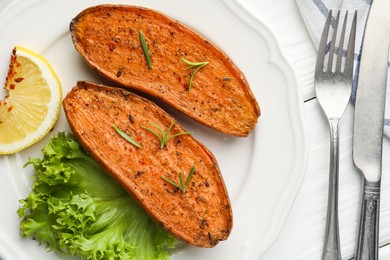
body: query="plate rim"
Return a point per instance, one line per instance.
(278, 58)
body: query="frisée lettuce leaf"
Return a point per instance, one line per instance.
(77, 209)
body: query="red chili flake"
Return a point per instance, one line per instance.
(111, 45)
(10, 108)
(19, 80)
(12, 86)
(13, 59)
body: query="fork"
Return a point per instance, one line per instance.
(333, 88)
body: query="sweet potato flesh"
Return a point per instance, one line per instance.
(107, 37)
(201, 215)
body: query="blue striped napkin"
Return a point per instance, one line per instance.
(314, 13)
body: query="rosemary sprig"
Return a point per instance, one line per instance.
(197, 66)
(145, 48)
(164, 137)
(126, 137)
(182, 185)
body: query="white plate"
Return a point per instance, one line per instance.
(263, 172)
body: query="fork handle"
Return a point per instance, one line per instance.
(367, 248)
(332, 236)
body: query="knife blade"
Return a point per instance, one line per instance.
(368, 124)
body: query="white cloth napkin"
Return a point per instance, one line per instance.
(314, 13)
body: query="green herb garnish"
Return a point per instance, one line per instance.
(197, 66)
(182, 185)
(164, 136)
(126, 137)
(145, 48)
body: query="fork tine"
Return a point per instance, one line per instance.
(351, 48)
(341, 44)
(322, 46)
(333, 43)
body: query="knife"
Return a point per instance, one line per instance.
(368, 124)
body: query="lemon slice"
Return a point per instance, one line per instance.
(32, 102)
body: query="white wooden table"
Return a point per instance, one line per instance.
(303, 234)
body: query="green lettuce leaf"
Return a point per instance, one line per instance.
(77, 209)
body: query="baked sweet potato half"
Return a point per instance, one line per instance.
(179, 184)
(218, 95)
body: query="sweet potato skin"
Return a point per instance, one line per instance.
(107, 37)
(201, 215)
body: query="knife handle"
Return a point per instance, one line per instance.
(368, 238)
